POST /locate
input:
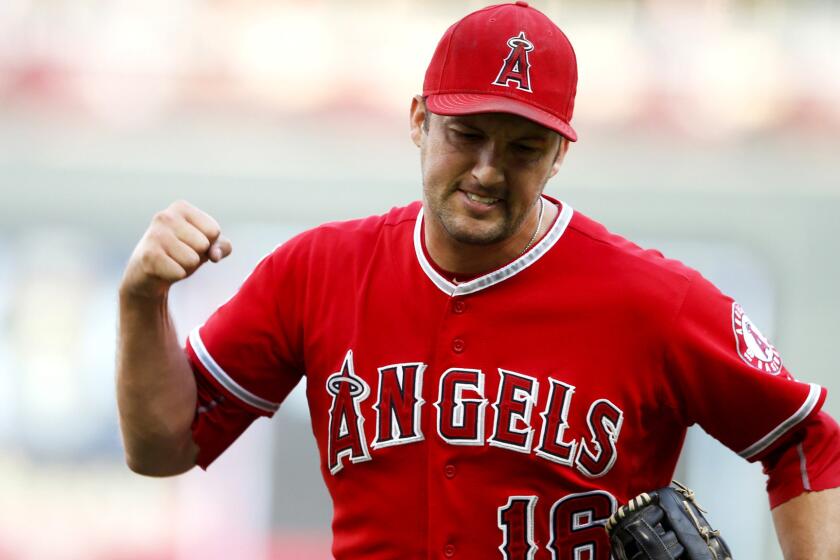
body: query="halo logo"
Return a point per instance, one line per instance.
(752, 346)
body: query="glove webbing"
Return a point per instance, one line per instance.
(638, 502)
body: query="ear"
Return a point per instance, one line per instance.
(561, 153)
(416, 119)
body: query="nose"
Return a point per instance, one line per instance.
(488, 170)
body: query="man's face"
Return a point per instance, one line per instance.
(483, 174)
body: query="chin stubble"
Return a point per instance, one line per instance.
(465, 234)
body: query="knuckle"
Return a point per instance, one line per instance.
(181, 205)
(191, 260)
(213, 230)
(164, 218)
(180, 273)
(210, 227)
(154, 236)
(149, 259)
(203, 244)
(157, 239)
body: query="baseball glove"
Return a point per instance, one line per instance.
(666, 524)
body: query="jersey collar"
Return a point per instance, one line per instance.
(500, 274)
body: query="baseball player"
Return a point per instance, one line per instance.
(489, 372)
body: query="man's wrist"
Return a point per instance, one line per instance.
(148, 297)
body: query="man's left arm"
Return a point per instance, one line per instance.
(803, 484)
(730, 380)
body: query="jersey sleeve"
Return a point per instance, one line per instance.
(808, 462)
(247, 356)
(728, 378)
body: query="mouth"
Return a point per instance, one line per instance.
(479, 201)
(482, 199)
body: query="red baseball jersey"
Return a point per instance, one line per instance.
(501, 417)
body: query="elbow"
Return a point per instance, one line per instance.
(138, 466)
(152, 470)
(162, 463)
(156, 469)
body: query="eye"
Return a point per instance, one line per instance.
(466, 135)
(526, 149)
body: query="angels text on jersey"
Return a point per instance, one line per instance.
(464, 415)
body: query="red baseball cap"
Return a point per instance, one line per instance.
(508, 58)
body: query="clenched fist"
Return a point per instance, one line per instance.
(179, 240)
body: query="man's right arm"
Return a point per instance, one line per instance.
(156, 390)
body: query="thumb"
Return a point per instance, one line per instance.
(219, 249)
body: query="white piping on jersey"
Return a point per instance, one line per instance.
(226, 380)
(803, 468)
(451, 289)
(797, 417)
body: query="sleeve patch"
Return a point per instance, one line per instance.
(751, 345)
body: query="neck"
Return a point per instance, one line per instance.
(469, 259)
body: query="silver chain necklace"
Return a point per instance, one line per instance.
(536, 231)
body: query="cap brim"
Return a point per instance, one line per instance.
(473, 103)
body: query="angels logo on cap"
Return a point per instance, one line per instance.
(516, 67)
(752, 346)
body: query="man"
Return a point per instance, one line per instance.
(489, 373)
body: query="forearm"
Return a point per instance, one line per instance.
(156, 390)
(805, 525)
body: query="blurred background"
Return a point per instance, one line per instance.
(709, 129)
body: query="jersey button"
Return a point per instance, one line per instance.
(449, 550)
(449, 471)
(458, 345)
(459, 306)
